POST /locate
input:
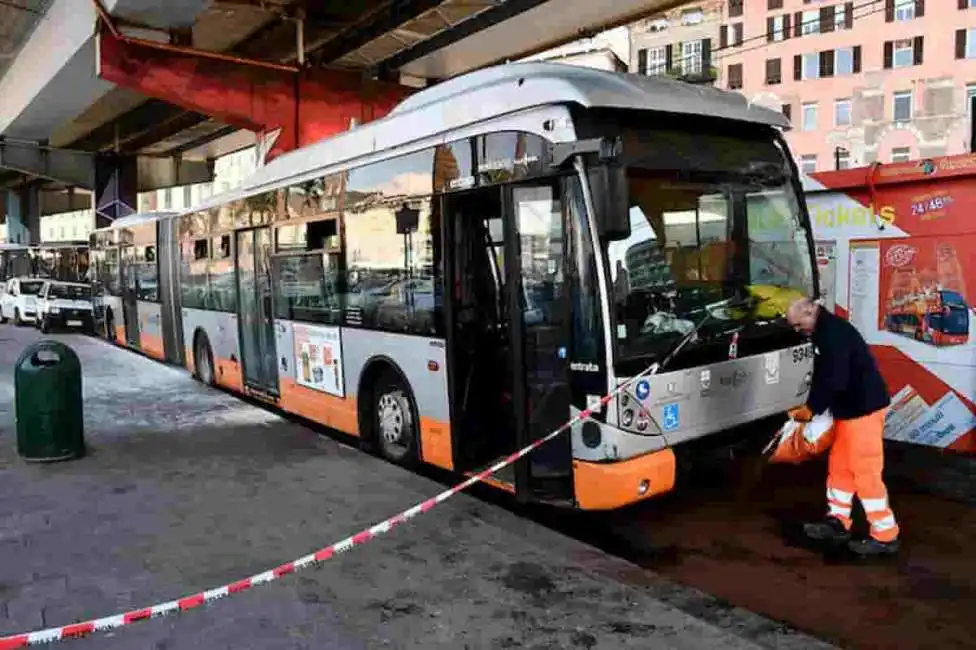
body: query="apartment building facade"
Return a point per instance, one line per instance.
(680, 42)
(863, 81)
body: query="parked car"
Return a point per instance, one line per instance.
(65, 305)
(19, 300)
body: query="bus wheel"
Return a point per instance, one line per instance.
(203, 361)
(395, 421)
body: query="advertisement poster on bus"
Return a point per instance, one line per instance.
(318, 359)
(905, 276)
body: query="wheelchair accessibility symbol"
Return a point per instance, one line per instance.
(672, 418)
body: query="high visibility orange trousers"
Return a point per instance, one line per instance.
(854, 469)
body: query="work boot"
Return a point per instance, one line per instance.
(829, 530)
(870, 547)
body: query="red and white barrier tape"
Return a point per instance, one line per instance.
(77, 630)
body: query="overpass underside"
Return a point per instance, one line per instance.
(103, 99)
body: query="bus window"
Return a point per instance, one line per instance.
(307, 287)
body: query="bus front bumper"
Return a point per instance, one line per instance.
(614, 484)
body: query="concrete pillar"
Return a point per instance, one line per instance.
(22, 207)
(116, 181)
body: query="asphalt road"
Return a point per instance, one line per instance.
(187, 488)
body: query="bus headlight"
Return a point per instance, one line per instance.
(627, 417)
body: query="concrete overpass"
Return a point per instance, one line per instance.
(100, 99)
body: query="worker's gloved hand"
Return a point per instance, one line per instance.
(801, 413)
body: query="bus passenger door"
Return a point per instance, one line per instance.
(540, 330)
(130, 297)
(256, 318)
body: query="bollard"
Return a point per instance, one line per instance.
(48, 403)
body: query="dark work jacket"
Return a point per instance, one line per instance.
(845, 376)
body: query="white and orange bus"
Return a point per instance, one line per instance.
(460, 278)
(938, 316)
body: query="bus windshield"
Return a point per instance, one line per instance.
(709, 217)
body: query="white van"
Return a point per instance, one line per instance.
(19, 301)
(65, 305)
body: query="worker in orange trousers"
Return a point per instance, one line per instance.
(846, 381)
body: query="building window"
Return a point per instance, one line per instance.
(808, 164)
(844, 16)
(735, 76)
(966, 43)
(787, 110)
(772, 5)
(810, 23)
(901, 154)
(187, 196)
(657, 25)
(844, 61)
(657, 60)
(902, 106)
(904, 9)
(809, 67)
(778, 28)
(906, 52)
(970, 94)
(842, 159)
(810, 116)
(693, 17)
(735, 8)
(774, 72)
(691, 57)
(737, 34)
(842, 112)
(967, 4)
(168, 198)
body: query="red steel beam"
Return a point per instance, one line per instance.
(307, 105)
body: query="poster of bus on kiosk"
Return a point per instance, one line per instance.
(904, 273)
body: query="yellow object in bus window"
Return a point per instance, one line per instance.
(775, 300)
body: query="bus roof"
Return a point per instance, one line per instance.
(486, 95)
(138, 218)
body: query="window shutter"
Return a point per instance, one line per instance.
(706, 48)
(856, 65)
(960, 43)
(964, 4)
(849, 15)
(787, 111)
(918, 47)
(774, 74)
(770, 27)
(642, 61)
(826, 19)
(827, 63)
(774, 4)
(919, 8)
(798, 24)
(889, 11)
(669, 58)
(889, 54)
(737, 33)
(723, 36)
(797, 67)
(786, 26)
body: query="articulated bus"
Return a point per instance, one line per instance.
(937, 316)
(463, 276)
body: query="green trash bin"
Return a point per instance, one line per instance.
(48, 403)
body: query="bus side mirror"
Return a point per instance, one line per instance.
(611, 201)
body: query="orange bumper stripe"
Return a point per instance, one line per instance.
(609, 485)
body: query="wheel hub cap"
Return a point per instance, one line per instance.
(391, 419)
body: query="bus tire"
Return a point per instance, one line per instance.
(394, 420)
(203, 363)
